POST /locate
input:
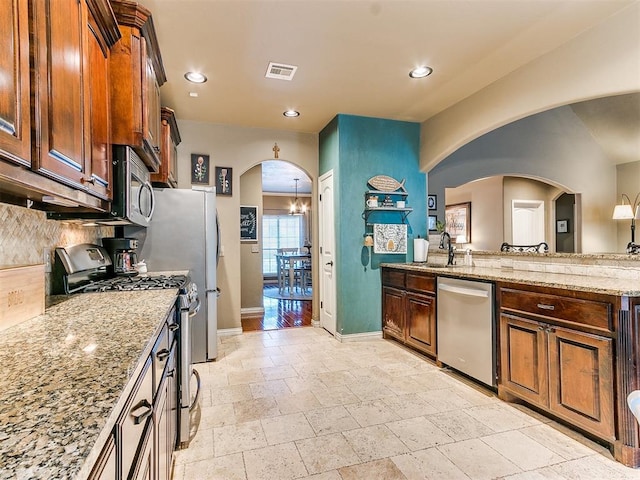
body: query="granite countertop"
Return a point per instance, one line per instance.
(66, 376)
(585, 283)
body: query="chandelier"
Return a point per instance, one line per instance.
(297, 207)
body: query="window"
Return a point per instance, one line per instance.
(279, 231)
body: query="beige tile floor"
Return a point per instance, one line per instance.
(296, 403)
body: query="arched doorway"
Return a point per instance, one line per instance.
(269, 298)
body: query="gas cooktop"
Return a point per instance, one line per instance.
(141, 282)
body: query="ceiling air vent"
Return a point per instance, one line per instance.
(281, 71)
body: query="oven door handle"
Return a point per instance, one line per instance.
(195, 400)
(195, 310)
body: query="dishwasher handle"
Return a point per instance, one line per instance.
(470, 292)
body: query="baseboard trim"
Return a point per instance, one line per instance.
(358, 337)
(251, 312)
(225, 332)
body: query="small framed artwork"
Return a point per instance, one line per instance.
(562, 226)
(433, 220)
(224, 183)
(199, 168)
(458, 222)
(432, 202)
(390, 238)
(248, 223)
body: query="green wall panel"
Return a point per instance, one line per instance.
(368, 147)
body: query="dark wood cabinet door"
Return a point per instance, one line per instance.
(61, 90)
(15, 134)
(421, 322)
(581, 385)
(167, 175)
(99, 168)
(151, 113)
(523, 359)
(393, 312)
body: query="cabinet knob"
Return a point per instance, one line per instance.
(90, 180)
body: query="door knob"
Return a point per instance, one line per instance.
(330, 263)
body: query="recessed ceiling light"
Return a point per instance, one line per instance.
(195, 77)
(420, 72)
(193, 94)
(291, 113)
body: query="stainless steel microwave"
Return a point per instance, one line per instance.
(133, 200)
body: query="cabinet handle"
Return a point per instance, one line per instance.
(541, 327)
(546, 307)
(551, 330)
(173, 327)
(156, 149)
(141, 412)
(171, 372)
(91, 180)
(163, 354)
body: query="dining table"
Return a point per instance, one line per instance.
(291, 261)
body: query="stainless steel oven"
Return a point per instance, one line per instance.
(84, 268)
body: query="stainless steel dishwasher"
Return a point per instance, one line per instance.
(466, 327)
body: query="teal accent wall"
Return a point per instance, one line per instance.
(358, 148)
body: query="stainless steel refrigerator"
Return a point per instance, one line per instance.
(183, 235)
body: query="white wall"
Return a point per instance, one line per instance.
(241, 148)
(601, 62)
(251, 252)
(486, 222)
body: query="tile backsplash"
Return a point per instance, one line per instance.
(26, 234)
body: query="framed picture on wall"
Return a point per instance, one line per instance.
(458, 222)
(248, 223)
(224, 181)
(433, 220)
(432, 202)
(199, 169)
(562, 226)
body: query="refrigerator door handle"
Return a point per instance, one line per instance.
(215, 290)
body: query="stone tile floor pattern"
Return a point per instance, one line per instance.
(295, 403)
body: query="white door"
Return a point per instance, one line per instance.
(527, 217)
(327, 254)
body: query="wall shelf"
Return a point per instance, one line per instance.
(404, 211)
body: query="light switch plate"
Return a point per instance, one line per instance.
(255, 249)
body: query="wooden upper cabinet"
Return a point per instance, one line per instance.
(100, 166)
(167, 176)
(71, 110)
(15, 134)
(137, 74)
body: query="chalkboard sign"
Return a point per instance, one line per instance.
(248, 224)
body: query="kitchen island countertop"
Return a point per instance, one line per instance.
(605, 285)
(66, 377)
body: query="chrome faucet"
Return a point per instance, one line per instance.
(445, 242)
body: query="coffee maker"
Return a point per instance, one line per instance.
(123, 254)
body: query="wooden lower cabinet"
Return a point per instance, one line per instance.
(409, 309)
(106, 467)
(421, 322)
(567, 371)
(393, 312)
(581, 380)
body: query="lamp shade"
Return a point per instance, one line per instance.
(623, 212)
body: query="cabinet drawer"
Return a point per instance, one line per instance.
(421, 283)
(160, 354)
(393, 278)
(135, 417)
(573, 310)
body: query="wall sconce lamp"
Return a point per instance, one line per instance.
(628, 211)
